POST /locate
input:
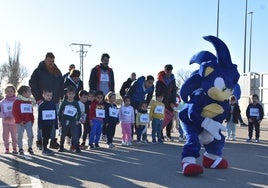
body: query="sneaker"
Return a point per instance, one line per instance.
(181, 139)
(233, 139)
(21, 152)
(14, 152)
(110, 145)
(227, 138)
(47, 152)
(78, 150)
(124, 143)
(129, 143)
(249, 140)
(91, 146)
(72, 148)
(138, 142)
(61, 149)
(97, 145)
(153, 141)
(169, 139)
(257, 140)
(145, 141)
(243, 124)
(30, 150)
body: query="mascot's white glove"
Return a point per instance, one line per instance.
(213, 127)
(205, 137)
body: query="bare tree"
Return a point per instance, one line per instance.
(13, 72)
(182, 75)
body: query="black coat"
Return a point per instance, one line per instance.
(236, 112)
(125, 86)
(41, 79)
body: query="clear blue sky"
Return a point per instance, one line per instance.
(140, 35)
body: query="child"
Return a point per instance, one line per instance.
(142, 121)
(96, 116)
(23, 113)
(111, 117)
(126, 117)
(8, 120)
(86, 126)
(232, 118)
(254, 114)
(69, 116)
(47, 118)
(157, 112)
(83, 97)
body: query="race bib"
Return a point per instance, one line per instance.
(127, 112)
(100, 113)
(254, 112)
(26, 108)
(159, 110)
(113, 112)
(70, 110)
(144, 118)
(7, 107)
(104, 77)
(48, 115)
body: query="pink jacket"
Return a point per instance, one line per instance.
(6, 107)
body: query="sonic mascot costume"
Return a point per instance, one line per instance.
(206, 93)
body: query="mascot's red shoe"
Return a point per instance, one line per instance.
(217, 163)
(190, 168)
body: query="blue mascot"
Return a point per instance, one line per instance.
(206, 93)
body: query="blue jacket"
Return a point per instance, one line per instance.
(137, 93)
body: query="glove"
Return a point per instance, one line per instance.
(205, 137)
(213, 127)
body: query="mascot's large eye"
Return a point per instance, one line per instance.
(220, 84)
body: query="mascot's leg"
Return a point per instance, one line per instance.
(212, 157)
(190, 154)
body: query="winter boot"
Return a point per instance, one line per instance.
(39, 144)
(53, 144)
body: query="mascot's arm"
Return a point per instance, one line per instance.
(213, 127)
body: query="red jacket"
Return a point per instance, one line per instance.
(22, 111)
(92, 112)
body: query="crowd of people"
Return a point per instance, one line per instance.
(84, 117)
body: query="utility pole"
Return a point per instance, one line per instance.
(82, 53)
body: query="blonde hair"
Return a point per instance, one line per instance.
(109, 95)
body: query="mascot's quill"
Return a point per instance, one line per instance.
(206, 93)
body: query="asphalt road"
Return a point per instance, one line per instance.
(138, 166)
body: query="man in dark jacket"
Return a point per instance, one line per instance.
(166, 85)
(102, 76)
(125, 86)
(47, 76)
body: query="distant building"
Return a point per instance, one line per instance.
(253, 83)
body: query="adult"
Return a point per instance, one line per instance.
(102, 76)
(141, 89)
(73, 79)
(166, 85)
(102, 79)
(125, 86)
(71, 67)
(47, 76)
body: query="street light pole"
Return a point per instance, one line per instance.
(250, 39)
(218, 15)
(82, 54)
(245, 37)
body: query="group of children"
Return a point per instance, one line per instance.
(98, 114)
(254, 113)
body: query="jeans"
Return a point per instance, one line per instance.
(73, 128)
(156, 129)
